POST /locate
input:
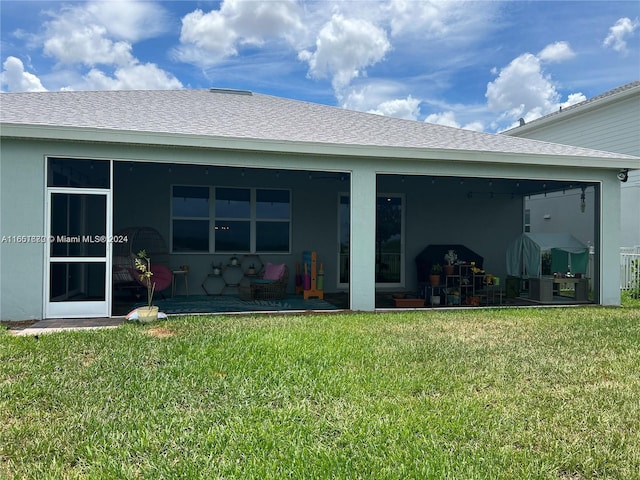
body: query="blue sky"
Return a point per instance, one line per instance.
(477, 65)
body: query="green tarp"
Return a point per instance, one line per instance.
(525, 254)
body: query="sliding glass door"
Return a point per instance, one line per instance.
(389, 258)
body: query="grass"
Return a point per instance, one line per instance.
(629, 299)
(468, 394)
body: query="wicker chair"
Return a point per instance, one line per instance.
(265, 289)
(149, 239)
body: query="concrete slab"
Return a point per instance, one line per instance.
(52, 325)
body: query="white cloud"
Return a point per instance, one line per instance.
(443, 118)
(344, 48)
(87, 44)
(556, 52)
(573, 98)
(418, 15)
(130, 20)
(521, 85)
(368, 95)
(618, 34)
(17, 80)
(523, 90)
(452, 20)
(101, 32)
(475, 126)
(449, 119)
(407, 108)
(255, 21)
(381, 97)
(207, 38)
(135, 77)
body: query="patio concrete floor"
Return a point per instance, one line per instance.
(52, 325)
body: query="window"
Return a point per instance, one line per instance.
(389, 239)
(272, 220)
(244, 220)
(344, 227)
(190, 225)
(82, 173)
(233, 220)
(527, 220)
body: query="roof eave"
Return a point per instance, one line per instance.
(129, 137)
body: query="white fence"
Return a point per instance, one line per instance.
(627, 256)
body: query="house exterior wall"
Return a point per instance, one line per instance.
(145, 200)
(630, 199)
(608, 268)
(22, 204)
(434, 214)
(612, 127)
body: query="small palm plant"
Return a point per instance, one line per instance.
(143, 265)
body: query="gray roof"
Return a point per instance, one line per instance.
(244, 115)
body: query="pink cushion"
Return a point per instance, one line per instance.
(162, 277)
(273, 271)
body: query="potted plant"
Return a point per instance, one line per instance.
(434, 276)
(143, 265)
(451, 258)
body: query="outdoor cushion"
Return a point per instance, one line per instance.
(162, 277)
(273, 271)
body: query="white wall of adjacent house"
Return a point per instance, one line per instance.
(630, 199)
(610, 124)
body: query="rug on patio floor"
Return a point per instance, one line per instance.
(231, 303)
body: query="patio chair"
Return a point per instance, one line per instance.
(272, 285)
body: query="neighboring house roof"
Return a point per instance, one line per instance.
(614, 95)
(245, 120)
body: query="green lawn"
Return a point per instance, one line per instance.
(549, 393)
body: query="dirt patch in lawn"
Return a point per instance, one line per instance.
(160, 332)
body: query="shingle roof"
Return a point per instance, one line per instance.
(243, 115)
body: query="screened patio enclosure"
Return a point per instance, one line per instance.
(207, 214)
